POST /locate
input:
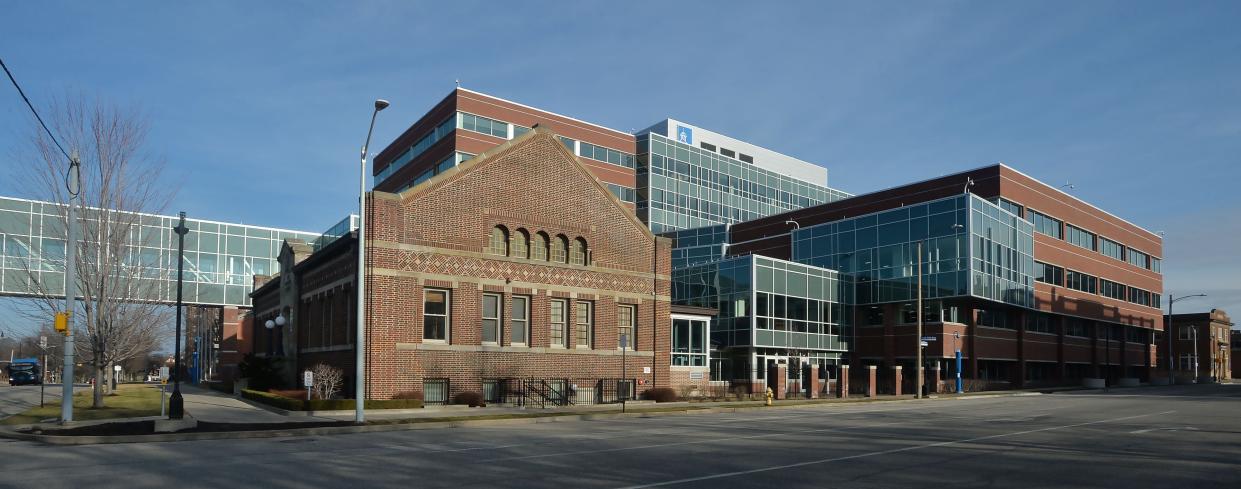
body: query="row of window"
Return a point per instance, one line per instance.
(442, 130)
(556, 249)
(1054, 275)
(727, 152)
(444, 165)
(566, 328)
(1038, 322)
(625, 194)
(1055, 228)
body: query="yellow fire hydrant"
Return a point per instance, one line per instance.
(769, 396)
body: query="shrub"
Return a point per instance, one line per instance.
(301, 404)
(327, 381)
(661, 394)
(408, 395)
(473, 399)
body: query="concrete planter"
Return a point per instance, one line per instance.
(1093, 383)
(1128, 382)
(240, 384)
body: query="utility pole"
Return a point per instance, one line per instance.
(73, 185)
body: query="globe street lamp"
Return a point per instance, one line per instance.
(176, 405)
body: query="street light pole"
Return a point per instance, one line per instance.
(176, 405)
(359, 394)
(1168, 331)
(1194, 329)
(918, 392)
(71, 285)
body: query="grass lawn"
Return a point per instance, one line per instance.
(129, 401)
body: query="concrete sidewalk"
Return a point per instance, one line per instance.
(215, 407)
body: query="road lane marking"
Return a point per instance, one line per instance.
(885, 452)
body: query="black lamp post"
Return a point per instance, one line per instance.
(176, 405)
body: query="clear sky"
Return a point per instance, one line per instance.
(260, 107)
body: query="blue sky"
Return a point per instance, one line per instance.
(260, 108)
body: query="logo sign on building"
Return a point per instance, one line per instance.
(646, 370)
(685, 135)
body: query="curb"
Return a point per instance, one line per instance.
(11, 433)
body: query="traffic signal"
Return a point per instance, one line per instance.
(62, 322)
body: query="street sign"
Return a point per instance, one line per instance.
(646, 370)
(116, 368)
(163, 374)
(928, 338)
(308, 379)
(924, 344)
(43, 342)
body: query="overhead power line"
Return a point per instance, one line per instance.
(32, 110)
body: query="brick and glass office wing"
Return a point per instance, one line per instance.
(769, 312)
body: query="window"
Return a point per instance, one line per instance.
(585, 323)
(746, 158)
(728, 152)
(1044, 224)
(539, 250)
(521, 244)
(606, 155)
(1076, 327)
(1141, 297)
(499, 241)
(491, 318)
(435, 391)
(579, 253)
(1108, 288)
(706, 146)
(1187, 361)
(490, 127)
(1111, 248)
(1081, 281)
(689, 344)
(521, 320)
(1155, 265)
(1010, 206)
(1184, 333)
(1038, 322)
(1079, 236)
(1048, 274)
(435, 315)
(1137, 258)
(625, 316)
(993, 318)
(557, 320)
(560, 249)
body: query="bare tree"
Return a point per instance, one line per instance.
(123, 278)
(327, 380)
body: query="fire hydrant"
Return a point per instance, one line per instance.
(768, 396)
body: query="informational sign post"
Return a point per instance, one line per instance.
(308, 380)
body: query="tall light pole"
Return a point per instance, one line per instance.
(176, 405)
(359, 395)
(1168, 330)
(918, 392)
(1194, 330)
(74, 186)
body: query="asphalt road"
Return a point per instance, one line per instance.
(15, 399)
(1131, 438)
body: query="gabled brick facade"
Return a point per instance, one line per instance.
(437, 235)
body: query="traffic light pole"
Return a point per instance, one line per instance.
(71, 287)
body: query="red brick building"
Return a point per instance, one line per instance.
(1203, 339)
(515, 264)
(1093, 303)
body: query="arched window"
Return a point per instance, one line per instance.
(499, 241)
(539, 250)
(521, 244)
(560, 249)
(577, 255)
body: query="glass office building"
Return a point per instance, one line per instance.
(221, 259)
(770, 312)
(970, 247)
(681, 186)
